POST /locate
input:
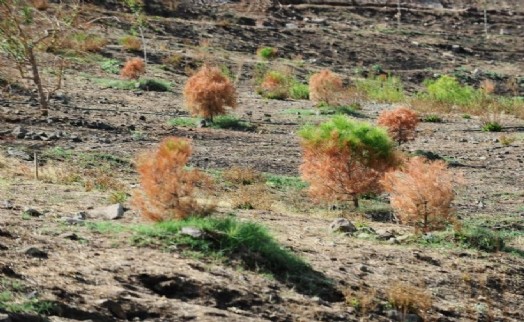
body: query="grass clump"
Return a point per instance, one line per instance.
(155, 85)
(130, 43)
(247, 242)
(447, 90)
(382, 89)
(267, 53)
(432, 118)
(282, 182)
(299, 91)
(13, 299)
(480, 238)
(111, 66)
(275, 85)
(184, 121)
(231, 122)
(409, 299)
(116, 83)
(491, 127)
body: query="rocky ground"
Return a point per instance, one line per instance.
(59, 256)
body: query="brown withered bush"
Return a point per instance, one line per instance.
(325, 87)
(133, 68)
(421, 193)
(167, 187)
(400, 123)
(344, 159)
(275, 85)
(409, 299)
(208, 92)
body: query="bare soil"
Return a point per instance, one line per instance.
(104, 277)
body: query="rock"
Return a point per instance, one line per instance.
(202, 123)
(19, 132)
(5, 318)
(34, 251)
(7, 204)
(111, 212)
(404, 238)
(75, 138)
(192, 231)
(77, 219)
(394, 315)
(70, 235)
(413, 318)
(385, 235)
(342, 225)
(32, 212)
(19, 154)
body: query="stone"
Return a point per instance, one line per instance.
(32, 212)
(202, 123)
(34, 251)
(192, 231)
(19, 154)
(19, 132)
(342, 225)
(111, 212)
(76, 219)
(7, 204)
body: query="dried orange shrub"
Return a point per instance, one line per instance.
(409, 299)
(133, 68)
(421, 193)
(325, 87)
(275, 85)
(344, 159)
(208, 92)
(167, 187)
(400, 123)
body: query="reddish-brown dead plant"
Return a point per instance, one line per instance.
(208, 92)
(421, 193)
(167, 187)
(400, 123)
(133, 68)
(325, 87)
(336, 173)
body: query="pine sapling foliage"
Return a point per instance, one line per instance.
(421, 193)
(325, 87)
(133, 68)
(344, 159)
(400, 123)
(208, 92)
(167, 187)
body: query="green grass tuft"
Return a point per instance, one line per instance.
(281, 182)
(388, 90)
(299, 91)
(231, 122)
(492, 127)
(432, 118)
(184, 121)
(154, 85)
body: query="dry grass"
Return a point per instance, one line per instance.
(60, 174)
(409, 299)
(242, 176)
(254, 196)
(130, 43)
(362, 301)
